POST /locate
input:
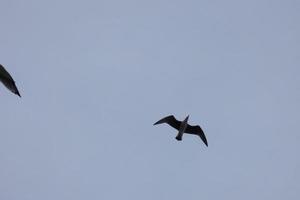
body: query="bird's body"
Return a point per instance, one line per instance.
(8, 81)
(183, 127)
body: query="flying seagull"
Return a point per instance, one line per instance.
(8, 81)
(183, 127)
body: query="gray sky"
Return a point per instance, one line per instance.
(95, 75)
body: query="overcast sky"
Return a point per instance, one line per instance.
(95, 75)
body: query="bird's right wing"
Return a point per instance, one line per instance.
(196, 130)
(8, 81)
(4, 73)
(171, 120)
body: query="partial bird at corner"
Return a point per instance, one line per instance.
(8, 81)
(183, 127)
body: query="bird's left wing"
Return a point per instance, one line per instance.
(171, 120)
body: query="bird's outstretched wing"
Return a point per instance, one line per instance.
(196, 130)
(8, 81)
(171, 120)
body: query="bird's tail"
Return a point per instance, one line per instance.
(179, 137)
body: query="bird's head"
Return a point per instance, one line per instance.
(187, 118)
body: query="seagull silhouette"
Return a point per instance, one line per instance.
(183, 127)
(8, 81)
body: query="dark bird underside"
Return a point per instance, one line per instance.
(195, 130)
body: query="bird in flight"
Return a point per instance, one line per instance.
(8, 81)
(183, 127)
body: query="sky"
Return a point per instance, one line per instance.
(95, 75)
